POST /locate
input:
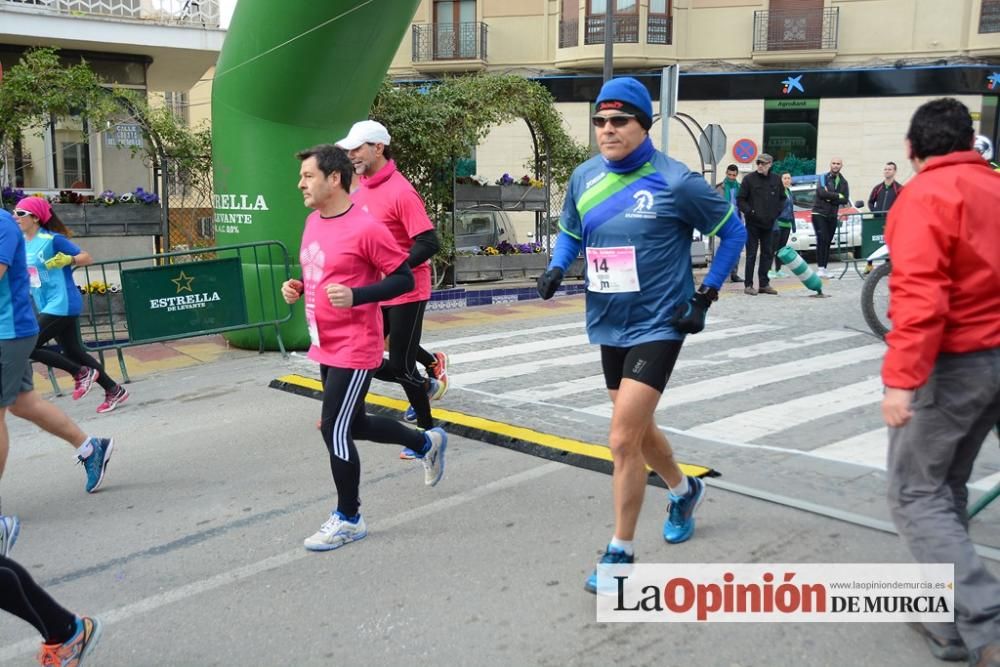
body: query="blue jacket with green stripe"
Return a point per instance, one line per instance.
(651, 214)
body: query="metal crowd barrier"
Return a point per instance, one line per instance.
(139, 300)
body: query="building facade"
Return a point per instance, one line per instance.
(804, 80)
(144, 45)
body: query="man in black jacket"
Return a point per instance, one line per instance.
(760, 201)
(832, 192)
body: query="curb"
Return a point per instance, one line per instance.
(579, 454)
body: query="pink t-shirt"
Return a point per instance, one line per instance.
(355, 250)
(391, 199)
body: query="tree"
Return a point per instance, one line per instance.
(435, 125)
(41, 87)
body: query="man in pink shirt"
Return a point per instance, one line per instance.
(350, 263)
(386, 194)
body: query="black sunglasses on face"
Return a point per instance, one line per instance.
(618, 120)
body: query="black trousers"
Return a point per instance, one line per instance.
(343, 420)
(758, 237)
(826, 227)
(780, 238)
(64, 329)
(21, 596)
(403, 325)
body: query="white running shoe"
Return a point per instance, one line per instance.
(10, 527)
(433, 460)
(336, 532)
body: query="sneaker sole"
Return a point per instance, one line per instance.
(406, 457)
(690, 534)
(104, 467)
(442, 389)
(12, 538)
(95, 637)
(441, 452)
(331, 547)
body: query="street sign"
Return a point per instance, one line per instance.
(745, 150)
(713, 142)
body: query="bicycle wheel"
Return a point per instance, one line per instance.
(875, 300)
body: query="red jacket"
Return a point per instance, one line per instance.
(944, 239)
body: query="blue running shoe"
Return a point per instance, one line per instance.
(679, 525)
(611, 557)
(10, 527)
(410, 415)
(97, 463)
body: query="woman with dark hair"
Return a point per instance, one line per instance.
(51, 258)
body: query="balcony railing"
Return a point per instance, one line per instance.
(449, 41)
(204, 13)
(569, 33)
(795, 29)
(626, 29)
(660, 29)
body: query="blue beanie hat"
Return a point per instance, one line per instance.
(627, 95)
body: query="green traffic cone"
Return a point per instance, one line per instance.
(798, 266)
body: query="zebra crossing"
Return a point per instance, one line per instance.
(812, 393)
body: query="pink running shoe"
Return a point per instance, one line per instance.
(113, 399)
(84, 382)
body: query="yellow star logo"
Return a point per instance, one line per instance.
(183, 282)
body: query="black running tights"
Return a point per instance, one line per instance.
(64, 329)
(344, 420)
(403, 325)
(21, 596)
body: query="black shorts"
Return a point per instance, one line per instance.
(648, 363)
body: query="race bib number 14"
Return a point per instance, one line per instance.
(611, 270)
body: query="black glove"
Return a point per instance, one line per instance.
(549, 282)
(690, 317)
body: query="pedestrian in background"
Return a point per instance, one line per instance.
(729, 189)
(942, 367)
(832, 192)
(784, 225)
(761, 199)
(883, 196)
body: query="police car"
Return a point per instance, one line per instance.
(803, 239)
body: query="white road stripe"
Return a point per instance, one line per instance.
(770, 347)
(871, 450)
(762, 422)
(251, 570)
(867, 449)
(679, 394)
(501, 371)
(765, 375)
(521, 333)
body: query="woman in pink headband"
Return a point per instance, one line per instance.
(51, 259)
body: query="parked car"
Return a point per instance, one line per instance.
(803, 239)
(482, 226)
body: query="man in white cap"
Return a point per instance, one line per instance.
(391, 199)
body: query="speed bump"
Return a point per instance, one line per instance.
(519, 438)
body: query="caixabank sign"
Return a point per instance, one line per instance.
(169, 301)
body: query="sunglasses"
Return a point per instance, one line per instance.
(618, 120)
(20, 212)
(762, 162)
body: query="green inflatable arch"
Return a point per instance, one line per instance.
(291, 74)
